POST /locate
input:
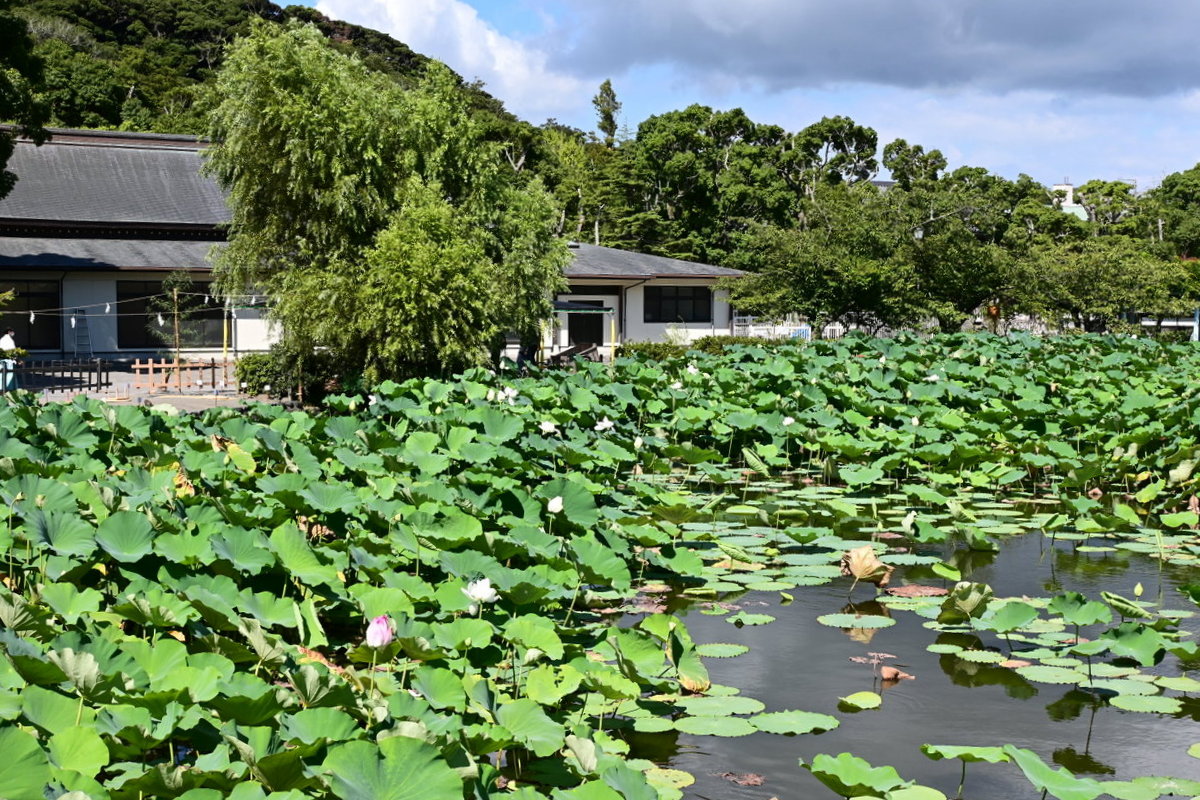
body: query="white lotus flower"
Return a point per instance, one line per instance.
(491, 395)
(932, 379)
(789, 421)
(677, 385)
(605, 424)
(481, 591)
(692, 369)
(883, 359)
(546, 426)
(555, 506)
(916, 421)
(637, 443)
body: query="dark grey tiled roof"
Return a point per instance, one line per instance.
(101, 254)
(136, 181)
(607, 262)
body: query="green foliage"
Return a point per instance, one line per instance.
(416, 234)
(287, 370)
(20, 75)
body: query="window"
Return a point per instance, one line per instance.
(140, 303)
(45, 332)
(677, 304)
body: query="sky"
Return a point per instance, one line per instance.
(1061, 90)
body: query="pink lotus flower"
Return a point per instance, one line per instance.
(379, 632)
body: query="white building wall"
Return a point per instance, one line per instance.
(638, 330)
(249, 330)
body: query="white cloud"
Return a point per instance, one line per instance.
(452, 31)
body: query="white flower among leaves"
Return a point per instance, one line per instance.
(692, 369)
(637, 443)
(788, 421)
(932, 378)
(677, 385)
(883, 359)
(605, 424)
(480, 591)
(546, 426)
(916, 421)
(555, 506)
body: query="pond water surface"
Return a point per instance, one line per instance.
(797, 663)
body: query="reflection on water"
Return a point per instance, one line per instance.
(796, 663)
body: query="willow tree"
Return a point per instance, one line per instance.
(380, 221)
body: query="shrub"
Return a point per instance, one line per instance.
(651, 351)
(288, 370)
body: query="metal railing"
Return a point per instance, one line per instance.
(59, 375)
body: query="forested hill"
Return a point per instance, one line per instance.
(142, 64)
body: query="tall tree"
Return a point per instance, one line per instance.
(20, 76)
(381, 221)
(607, 107)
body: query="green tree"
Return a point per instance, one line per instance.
(1091, 283)
(840, 267)
(20, 77)
(381, 221)
(607, 107)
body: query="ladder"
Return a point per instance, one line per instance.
(83, 338)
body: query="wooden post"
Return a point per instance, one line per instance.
(178, 352)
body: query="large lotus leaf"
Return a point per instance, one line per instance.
(579, 504)
(1076, 609)
(1137, 641)
(53, 712)
(720, 706)
(316, 724)
(1011, 616)
(298, 558)
(856, 621)
(69, 602)
(1125, 607)
(1059, 783)
(992, 755)
(861, 701)
(850, 776)
(127, 536)
(1153, 704)
(715, 726)
(443, 688)
(966, 601)
(530, 726)
(64, 532)
(398, 768)
(793, 722)
(79, 749)
(24, 768)
(599, 563)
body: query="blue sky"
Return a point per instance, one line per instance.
(1066, 89)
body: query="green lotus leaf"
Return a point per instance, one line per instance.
(742, 618)
(861, 701)
(850, 776)
(530, 726)
(966, 753)
(79, 749)
(715, 726)
(720, 706)
(721, 650)
(1059, 783)
(398, 768)
(126, 536)
(1151, 704)
(24, 769)
(793, 722)
(1055, 675)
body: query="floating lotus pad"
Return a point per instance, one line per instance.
(856, 621)
(715, 726)
(721, 650)
(720, 706)
(1055, 675)
(1153, 704)
(793, 722)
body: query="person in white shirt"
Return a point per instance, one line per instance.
(8, 366)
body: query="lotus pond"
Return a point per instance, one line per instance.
(862, 568)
